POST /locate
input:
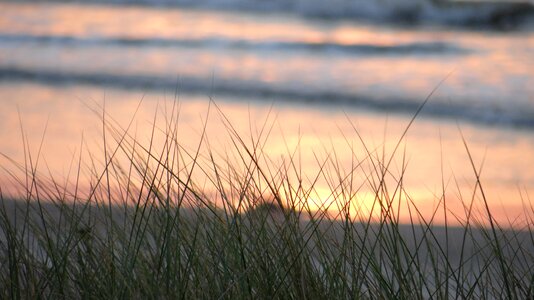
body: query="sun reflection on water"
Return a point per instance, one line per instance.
(319, 150)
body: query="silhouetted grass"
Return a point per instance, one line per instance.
(148, 228)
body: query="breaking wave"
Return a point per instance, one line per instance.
(520, 117)
(463, 13)
(419, 48)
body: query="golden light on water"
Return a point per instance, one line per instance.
(318, 148)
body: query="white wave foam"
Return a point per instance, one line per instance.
(507, 14)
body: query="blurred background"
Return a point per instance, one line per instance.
(318, 69)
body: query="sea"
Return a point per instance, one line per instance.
(451, 82)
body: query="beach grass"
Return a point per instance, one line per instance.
(147, 227)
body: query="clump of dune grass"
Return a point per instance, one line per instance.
(148, 228)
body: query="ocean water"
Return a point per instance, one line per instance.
(321, 69)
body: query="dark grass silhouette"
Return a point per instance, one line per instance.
(147, 229)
